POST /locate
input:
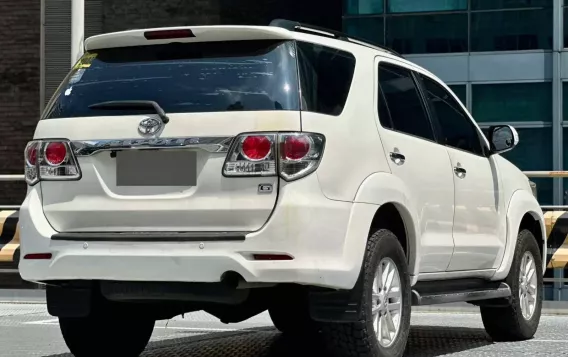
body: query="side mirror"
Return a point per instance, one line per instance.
(502, 138)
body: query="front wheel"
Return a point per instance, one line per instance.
(106, 335)
(519, 319)
(384, 324)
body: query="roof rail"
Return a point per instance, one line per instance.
(322, 31)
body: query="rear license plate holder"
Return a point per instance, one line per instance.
(156, 168)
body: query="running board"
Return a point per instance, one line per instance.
(433, 298)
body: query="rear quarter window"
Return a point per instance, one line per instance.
(182, 78)
(326, 75)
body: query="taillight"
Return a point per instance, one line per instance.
(50, 160)
(290, 155)
(296, 147)
(256, 148)
(251, 155)
(31, 153)
(55, 153)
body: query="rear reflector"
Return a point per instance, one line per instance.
(168, 34)
(272, 257)
(38, 256)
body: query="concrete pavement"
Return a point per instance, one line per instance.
(28, 330)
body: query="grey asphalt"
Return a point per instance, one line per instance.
(26, 329)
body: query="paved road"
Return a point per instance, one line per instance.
(27, 330)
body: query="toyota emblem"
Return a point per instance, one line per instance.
(149, 126)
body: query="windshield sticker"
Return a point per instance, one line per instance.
(76, 77)
(85, 61)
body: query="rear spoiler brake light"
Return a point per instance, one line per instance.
(168, 34)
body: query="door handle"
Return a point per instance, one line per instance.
(460, 172)
(397, 158)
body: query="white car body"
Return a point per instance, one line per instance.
(456, 228)
(269, 167)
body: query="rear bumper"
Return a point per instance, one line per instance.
(326, 239)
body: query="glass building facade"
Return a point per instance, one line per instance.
(505, 59)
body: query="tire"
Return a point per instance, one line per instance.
(507, 323)
(290, 313)
(97, 336)
(359, 338)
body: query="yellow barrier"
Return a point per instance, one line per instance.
(9, 237)
(557, 231)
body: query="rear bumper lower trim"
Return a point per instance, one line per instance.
(151, 236)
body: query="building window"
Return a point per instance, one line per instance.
(565, 105)
(521, 102)
(512, 102)
(511, 30)
(494, 25)
(371, 29)
(565, 137)
(438, 33)
(566, 25)
(364, 7)
(460, 90)
(509, 4)
(425, 6)
(534, 153)
(565, 157)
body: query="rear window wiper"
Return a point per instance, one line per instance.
(132, 104)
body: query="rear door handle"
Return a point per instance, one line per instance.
(397, 158)
(460, 172)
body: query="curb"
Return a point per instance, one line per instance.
(22, 296)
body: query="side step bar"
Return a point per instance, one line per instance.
(486, 293)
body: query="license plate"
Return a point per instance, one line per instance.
(156, 168)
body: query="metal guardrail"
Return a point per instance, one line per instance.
(548, 174)
(12, 178)
(551, 174)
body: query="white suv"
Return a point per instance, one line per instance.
(288, 168)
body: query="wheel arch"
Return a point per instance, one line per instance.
(523, 212)
(394, 211)
(396, 218)
(532, 222)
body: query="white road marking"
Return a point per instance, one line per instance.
(197, 328)
(43, 322)
(206, 329)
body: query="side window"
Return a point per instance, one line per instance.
(458, 130)
(399, 99)
(326, 75)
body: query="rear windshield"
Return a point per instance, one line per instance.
(208, 77)
(182, 78)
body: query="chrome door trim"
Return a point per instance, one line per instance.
(214, 144)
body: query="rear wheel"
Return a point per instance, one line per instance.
(106, 335)
(290, 312)
(384, 324)
(519, 318)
